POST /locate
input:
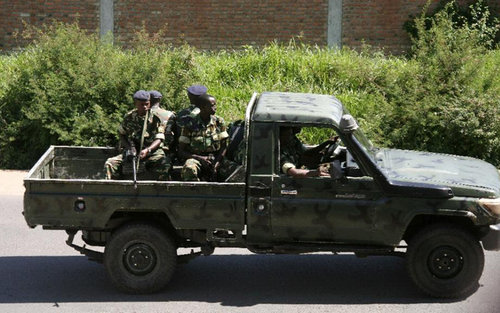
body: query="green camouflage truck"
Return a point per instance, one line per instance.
(438, 211)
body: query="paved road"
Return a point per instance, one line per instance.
(39, 273)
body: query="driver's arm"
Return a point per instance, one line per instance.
(297, 172)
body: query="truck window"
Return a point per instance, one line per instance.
(304, 149)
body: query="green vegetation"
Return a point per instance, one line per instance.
(71, 88)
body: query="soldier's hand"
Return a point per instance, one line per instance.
(216, 166)
(205, 161)
(130, 153)
(144, 153)
(323, 174)
(330, 141)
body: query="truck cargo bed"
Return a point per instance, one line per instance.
(67, 189)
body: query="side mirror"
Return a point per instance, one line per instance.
(348, 124)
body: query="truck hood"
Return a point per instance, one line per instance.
(466, 176)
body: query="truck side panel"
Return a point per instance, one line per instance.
(89, 204)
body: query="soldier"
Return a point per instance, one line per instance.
(133, 131)
(202, 143)
(155, 99)
(167, 118)
(236, 149)
(194, 92)
(292, 150)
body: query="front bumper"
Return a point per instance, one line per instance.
(492, 239)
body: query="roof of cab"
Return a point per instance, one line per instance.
(304, 108)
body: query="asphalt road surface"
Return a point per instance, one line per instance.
(39, 273)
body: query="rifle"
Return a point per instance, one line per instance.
(131, 155)
(142, 138)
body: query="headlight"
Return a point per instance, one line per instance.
(493, 205)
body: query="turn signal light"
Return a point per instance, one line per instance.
(492, 205)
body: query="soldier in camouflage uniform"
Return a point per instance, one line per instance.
(292, 150)
(194, 92)
(236, 149)
(131, 133)
(169, 119)
(202, 144)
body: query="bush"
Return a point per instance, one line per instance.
(461, 16)
(69, 87)
(451, 102)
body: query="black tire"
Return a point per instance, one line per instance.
(445, 261)
(140, 258)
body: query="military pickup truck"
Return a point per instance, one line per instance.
(438, 211)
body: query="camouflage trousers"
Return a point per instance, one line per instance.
(157, 163)
(193, 171)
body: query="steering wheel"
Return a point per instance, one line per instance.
(328, 152)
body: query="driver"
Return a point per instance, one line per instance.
(292, 150)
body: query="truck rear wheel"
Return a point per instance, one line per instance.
(445, 261)
(140, 258)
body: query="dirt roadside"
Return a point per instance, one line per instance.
(11, 182)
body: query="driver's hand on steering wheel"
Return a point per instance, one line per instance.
(333, 140)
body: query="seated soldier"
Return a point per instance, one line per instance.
(168, 119)
(291, 152)
(194, 92)
(236, 149)
(202, 144)
(133, 131)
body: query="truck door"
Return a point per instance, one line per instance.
(312, 209)
(262, 153)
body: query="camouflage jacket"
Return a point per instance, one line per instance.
(290, 154)
(168, 121)
(238, 153)
(203, 138)
(184, 115)
(132, 125)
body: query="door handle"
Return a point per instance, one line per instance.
(289, 192)
(255, 191)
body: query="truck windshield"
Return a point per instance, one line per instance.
(365, 143)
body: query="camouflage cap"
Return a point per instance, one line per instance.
(141, 95)
(155, 94)
(197, 90)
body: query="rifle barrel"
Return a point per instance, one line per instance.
(134, 171)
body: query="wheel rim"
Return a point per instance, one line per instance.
(445, 262)
(139, 259)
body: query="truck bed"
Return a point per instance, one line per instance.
(67, 189)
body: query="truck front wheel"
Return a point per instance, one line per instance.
(445, 261)
(140, 258)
